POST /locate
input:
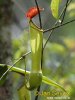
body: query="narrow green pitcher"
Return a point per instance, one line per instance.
(36, 41)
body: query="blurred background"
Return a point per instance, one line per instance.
(59, 53)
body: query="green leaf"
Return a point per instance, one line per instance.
(55, 7)
(53, 83)
(24, 94)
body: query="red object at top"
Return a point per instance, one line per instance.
(32, 12)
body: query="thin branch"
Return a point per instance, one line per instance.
(59, 25)
(52, 29)
(64, 11)
(19, 57)
(14, 64)
(64, 8)
(49, 35)
(39, 14)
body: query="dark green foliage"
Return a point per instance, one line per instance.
(2, 70)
